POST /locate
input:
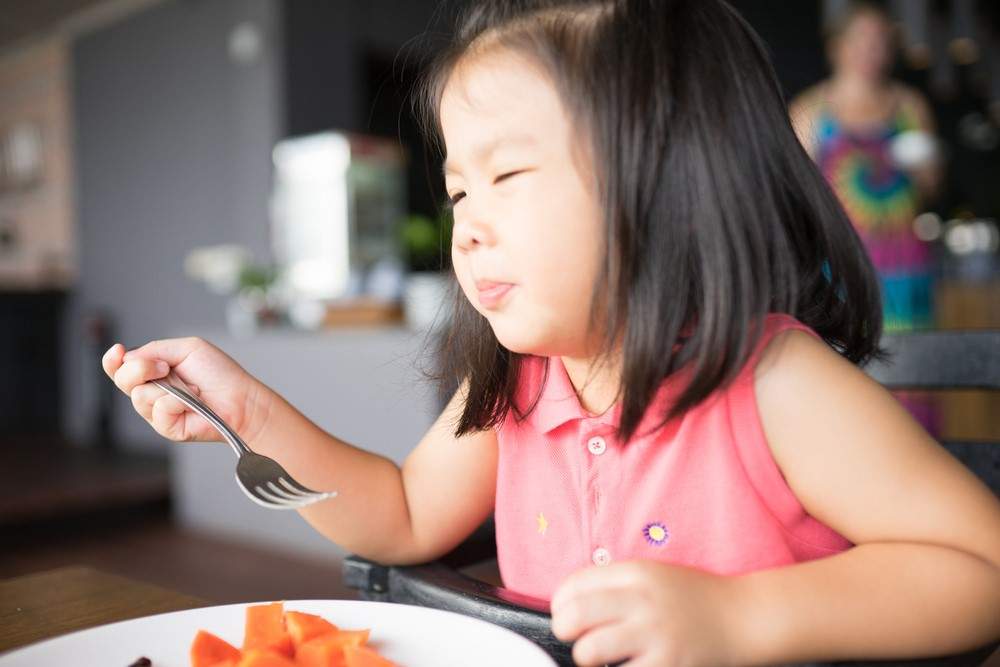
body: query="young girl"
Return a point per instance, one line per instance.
(661, 311)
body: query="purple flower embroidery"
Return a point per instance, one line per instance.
(656, 534)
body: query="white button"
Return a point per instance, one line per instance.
(596, 445)
(601, 556)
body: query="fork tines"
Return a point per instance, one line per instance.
(289, 495)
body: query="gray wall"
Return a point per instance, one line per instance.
(173, 144)
(173, 151)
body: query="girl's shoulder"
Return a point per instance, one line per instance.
(778, 328)
(789, 353)
(796, 372)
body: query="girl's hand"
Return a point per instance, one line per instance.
(649, 612)
(235, 395)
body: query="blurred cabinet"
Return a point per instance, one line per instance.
(968, 305)
(30, 394)
(969, 415)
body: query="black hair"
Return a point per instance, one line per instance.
(714, 214)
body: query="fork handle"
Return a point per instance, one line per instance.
(196, 404)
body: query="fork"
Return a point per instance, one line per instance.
(261, 478)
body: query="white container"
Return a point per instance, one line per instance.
(425, 300)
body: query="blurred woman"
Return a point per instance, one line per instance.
(870, 136)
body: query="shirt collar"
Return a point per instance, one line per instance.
(559, 403)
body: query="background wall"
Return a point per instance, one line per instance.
(173, 151)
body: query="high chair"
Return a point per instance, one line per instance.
(932, 360)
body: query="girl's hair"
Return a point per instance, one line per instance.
(714, 215)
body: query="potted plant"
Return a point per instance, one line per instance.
(230, 270)
(426, 246)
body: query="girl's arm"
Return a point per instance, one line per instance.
(444, 490)
(924, 577)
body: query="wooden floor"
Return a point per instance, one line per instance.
(144, 544)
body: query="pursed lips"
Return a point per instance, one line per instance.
(491, 292)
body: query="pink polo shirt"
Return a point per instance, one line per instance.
(704, 491)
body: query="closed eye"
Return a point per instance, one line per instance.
(503, 177)
(458, 196)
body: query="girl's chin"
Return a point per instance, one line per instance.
(518, 341)
(526, 342)
(521, 347)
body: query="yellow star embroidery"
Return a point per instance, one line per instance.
(542, 523)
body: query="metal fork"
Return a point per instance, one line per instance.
(261, 478)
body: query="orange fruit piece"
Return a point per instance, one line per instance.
(363, 656)
(207, 650)
(319, 653)
(328, 650)
(352, 637)
(261, 658)
(265, 629)
(303, 627)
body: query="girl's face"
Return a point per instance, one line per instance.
(527, 243)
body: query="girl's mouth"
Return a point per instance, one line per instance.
(492, 293)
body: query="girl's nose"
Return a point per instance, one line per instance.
(469, 234)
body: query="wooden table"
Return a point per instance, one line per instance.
(47, 604)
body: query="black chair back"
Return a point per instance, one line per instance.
(945, 361)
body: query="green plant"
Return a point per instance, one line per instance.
(257, 276)
(426, 241)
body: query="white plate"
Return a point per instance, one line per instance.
(411, 636)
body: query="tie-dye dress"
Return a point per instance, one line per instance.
(881, 201)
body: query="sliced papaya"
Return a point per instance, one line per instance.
(302, 627)
(352, 637)
(263, 658)
(265, 629)
(273, 637)
(318, 652)
(207, 650)
(328, 650)
(363, 656)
